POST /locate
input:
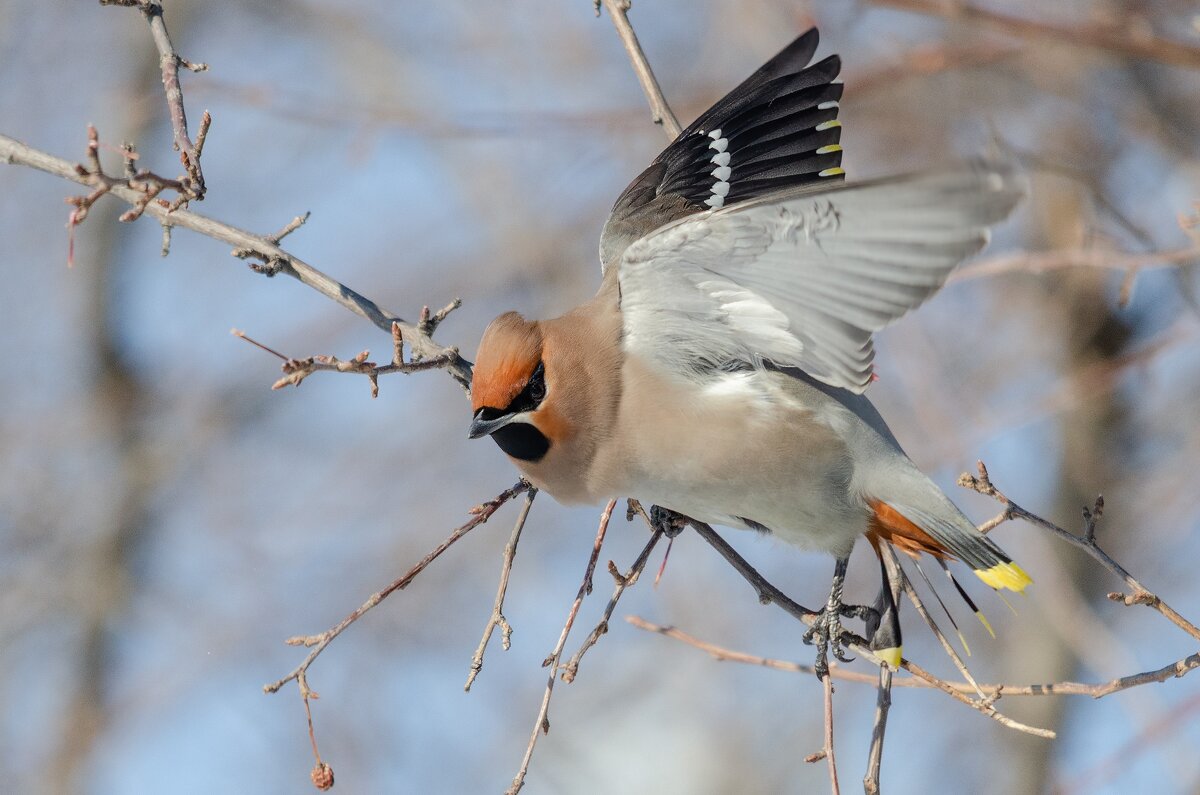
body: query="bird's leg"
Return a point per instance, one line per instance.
(827, 631)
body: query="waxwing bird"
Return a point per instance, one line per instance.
(719, 371)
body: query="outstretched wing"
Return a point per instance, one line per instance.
(804, 277)
(776, 130)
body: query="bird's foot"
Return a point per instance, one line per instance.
(827, 631)
(829, 635)
(668, 521)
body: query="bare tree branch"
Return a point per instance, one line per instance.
(621, 583)
(296, 370)
(421, 344)
(497, 618)
(660, 111)
(883, 703)
(322, 772)
(1175, 670)
(542, 724)
(170, 61)
(826, 751)
(1139, 595)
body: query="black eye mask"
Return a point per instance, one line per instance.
(532, 395)
(519, 439)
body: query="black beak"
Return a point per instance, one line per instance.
(483, 426)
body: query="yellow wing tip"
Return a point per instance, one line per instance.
(890, 656)
(1005, 575)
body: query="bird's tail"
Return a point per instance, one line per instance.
(914, 531)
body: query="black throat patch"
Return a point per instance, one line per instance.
(522, 441)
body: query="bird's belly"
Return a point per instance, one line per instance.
(743, 453)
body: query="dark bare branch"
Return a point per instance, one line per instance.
(1139, 595)
(421, 344)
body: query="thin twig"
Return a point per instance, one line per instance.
(169, 62)
(985, 706)
(922, 678)
(542, 724)
(322, 773)
(497, 618)
(479, 514)
(827, 749)
(919, 604)
(883, 702)
(660, 111)
(767, 593)
(270, 267)
(621, 583)
(296, 370)
(1140, 595)
(1175, 670)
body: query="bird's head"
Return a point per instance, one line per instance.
(509, 389)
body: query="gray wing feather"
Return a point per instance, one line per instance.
(803, 278)
(956, 534)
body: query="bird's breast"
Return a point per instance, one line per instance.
(744, 449)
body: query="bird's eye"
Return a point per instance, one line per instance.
(536, 387)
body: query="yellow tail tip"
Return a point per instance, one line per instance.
(986, 625)
(890, 656)
(1005, 575)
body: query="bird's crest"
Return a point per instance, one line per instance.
(509, 353)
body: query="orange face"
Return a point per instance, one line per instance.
(509, 353)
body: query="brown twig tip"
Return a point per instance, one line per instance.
(1086, 541)
(397, 344)
(202, 133)
(243, 335)
(146, 186)
(296, 370)
(1091, 517)
(497, 618)
(270, 263)
(322, 776)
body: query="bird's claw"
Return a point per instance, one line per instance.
(829, 635)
